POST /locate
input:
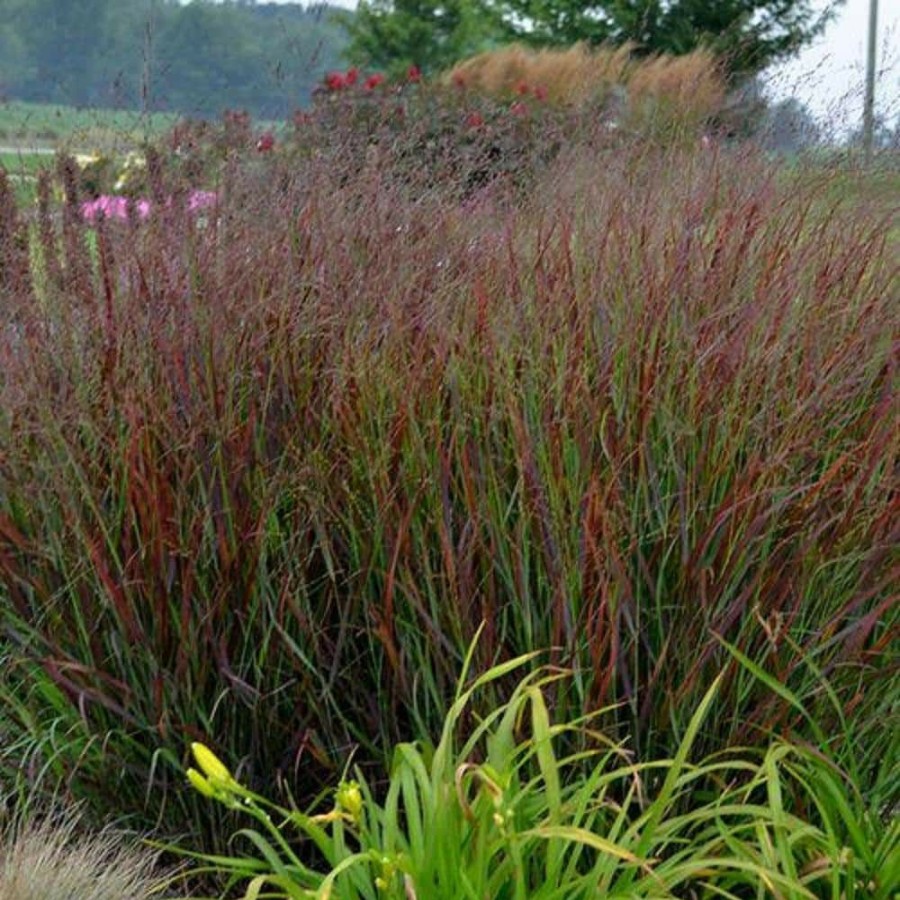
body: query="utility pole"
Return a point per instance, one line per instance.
(869, 102)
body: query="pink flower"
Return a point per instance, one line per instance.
(519, 108)
(105, 207)
(108, 206)
(522, 88)
(373, 81)
(351, 77)
(540, 92)
(198, 200)
(266, 142)
(111, 206)
(413, 74)
(474, 120)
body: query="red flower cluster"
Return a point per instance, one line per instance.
(413, 74)
(336, 81)
(266, 142)
(339, 81)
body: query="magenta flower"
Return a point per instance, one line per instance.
(111, 207)
(198, 200)
(373, 81)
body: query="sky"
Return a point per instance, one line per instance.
(829, 75)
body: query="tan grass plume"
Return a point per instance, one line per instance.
(690, 86)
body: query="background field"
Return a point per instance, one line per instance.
(31, 133)
(31, 126)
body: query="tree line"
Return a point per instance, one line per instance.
(197, 58)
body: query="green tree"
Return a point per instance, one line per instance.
(14, 61)
(749, 35)
(392, 35)
(64, 46)
(198, 58)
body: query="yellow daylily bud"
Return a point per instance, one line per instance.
(349, 799)
(211, 766)
(200, 783)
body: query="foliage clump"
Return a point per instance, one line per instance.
(54, 859)
(687, 91)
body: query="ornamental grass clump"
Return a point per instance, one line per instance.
(575, 76)
(54, 859)
(262, 474)
(657, 97)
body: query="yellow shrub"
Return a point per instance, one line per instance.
(662, 90)
(670, 90)
(572, 76)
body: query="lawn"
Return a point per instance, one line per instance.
(23, 167)
(35, 125)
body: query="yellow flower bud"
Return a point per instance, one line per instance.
(349, 799)
(200, 783)
(211, 766)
